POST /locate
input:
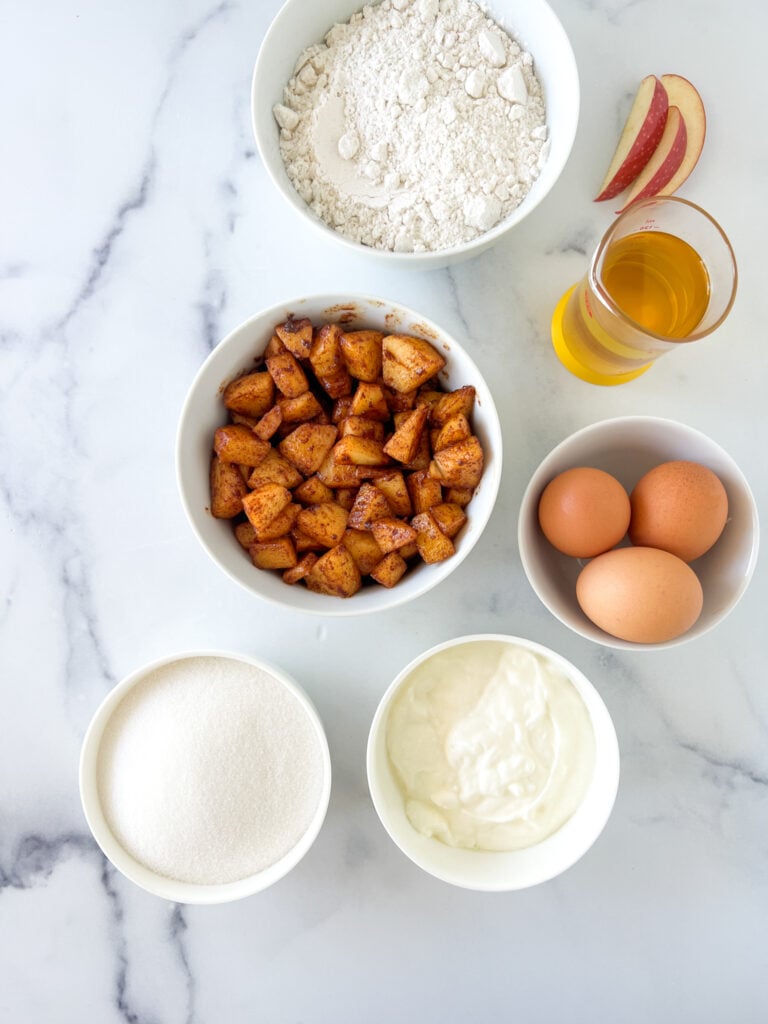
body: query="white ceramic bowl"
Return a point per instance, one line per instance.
(627, 448)
(204, 411)
(517, 869)
(140, 874)
(301, 23)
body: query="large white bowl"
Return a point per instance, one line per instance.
(204, 411)
(627, 448)
(301, 23)
(517, 869)
(140, 874)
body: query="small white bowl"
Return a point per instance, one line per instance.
(301, 23)
(627, 448)
(491, 871)
(140, 874)
(204, 411)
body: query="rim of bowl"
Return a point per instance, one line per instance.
(142, 876)
(455, 253)
(607, 751)
(433, 574)
(586, 629)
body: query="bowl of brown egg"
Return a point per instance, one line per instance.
(639, 533)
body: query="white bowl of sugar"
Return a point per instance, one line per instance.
(416, 132)
(205, 776)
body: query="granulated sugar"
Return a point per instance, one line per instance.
(415, 126)
(209, 771)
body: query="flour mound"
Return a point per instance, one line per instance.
(416, 126)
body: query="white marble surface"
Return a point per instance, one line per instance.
(138, 227)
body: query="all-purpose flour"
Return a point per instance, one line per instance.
(417, 125)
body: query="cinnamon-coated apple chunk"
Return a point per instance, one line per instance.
(459, 465)
(362, 545)
(370, 505)
(345, 496)
(269, 423)
(281, 525)
(301, 569)
(324, 523)
(335, 573)
(389, 570)
(408, 362)
(307, 446)
(432, 543)
(274, 469)
(263, 504)
(359, 451)
(394, 488)
(300, 409)
(287, 374)
(312, 491)
(296, 335)
(424, 490)
(449, 517)
(359, 426)
(370, 402)
(461, 400)
(404, 443)
(274, 554)
(246, 535)
(337, 474)
(327, 360)
(252, 394)
(362, 354)
(456, 428)
(391, 533)
(228, 488)
(235, 443)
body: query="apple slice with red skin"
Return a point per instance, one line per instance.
(664, 163)
(685, 97)
(639, 138)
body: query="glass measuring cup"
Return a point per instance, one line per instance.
(664, 274)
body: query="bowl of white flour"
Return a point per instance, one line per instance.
(205, 776)
(419, 131)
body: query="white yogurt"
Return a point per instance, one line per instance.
(492, 745)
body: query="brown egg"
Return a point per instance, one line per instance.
(644, 595)
(680, 507)
(584, 511)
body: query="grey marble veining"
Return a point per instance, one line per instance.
(138, 228)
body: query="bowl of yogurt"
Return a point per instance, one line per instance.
(493, 762)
